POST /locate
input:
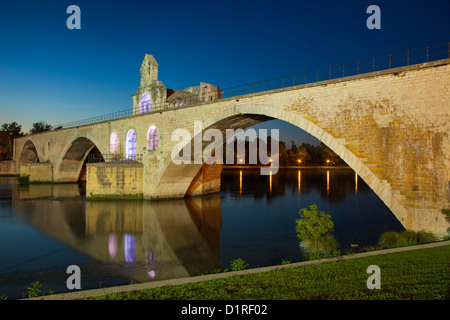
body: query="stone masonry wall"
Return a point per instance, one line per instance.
(8, 168)
(114, 180)
(39, 172)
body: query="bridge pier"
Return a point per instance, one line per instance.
(121, 179)
(37, 171)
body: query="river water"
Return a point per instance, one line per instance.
(44, 228)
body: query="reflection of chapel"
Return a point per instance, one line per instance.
(152, 94)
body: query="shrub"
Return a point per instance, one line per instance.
(35, 289)
(388, 239)
(426, 237)
(238, 264)
(406, 238)
(23, 179)
(314, 228)
(320, 254)
(316, 255)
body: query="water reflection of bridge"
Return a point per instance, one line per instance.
(141, 240)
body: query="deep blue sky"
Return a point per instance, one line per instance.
(53, 74)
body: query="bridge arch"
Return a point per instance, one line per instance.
(245, 116)
(73, 158)
(185, 179)
(29, 153)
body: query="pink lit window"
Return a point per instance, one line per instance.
(152, 138)
(113, 143)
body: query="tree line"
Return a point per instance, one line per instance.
(11, 131)
(305, 154)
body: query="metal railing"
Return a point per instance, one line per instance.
(97, 157)
(396, 60)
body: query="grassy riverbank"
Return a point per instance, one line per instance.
(419, 274)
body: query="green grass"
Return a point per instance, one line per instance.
(419, 274)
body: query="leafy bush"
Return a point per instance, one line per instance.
(35, 289)
(238, 264)
(316, 255)
(405, 238)
(314, 228)
(313, 224)
(426, 237)
(388, 239)
(23, 179)
(320, 254)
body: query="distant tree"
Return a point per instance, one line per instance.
(40, 127)
(4, 138)
(298, 155)
(8, 133)
(303, 154)
(328, 155)
(283, 154)
(13, 129)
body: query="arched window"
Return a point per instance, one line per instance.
(145, 105)
(113, 143)
(131, 144)
(152, 138)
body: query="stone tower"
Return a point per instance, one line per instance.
(151, 93)
(149, 70)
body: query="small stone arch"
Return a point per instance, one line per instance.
(29, 153)
(152, 138)
(71, 166)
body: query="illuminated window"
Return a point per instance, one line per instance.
(113, 143)
(152, 138)
(131, 144)
(145, 105)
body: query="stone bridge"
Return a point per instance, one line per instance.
(392, 127)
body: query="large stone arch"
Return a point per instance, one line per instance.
(72, 159)
(180, 180)
(29, 153)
